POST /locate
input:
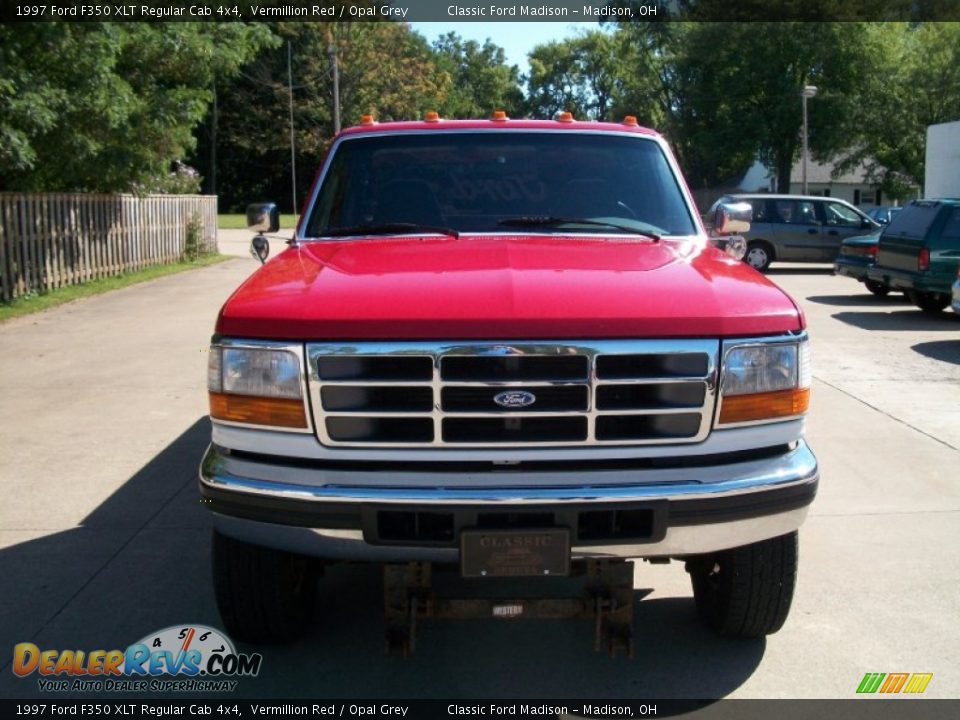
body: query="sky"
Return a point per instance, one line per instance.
(516, 38)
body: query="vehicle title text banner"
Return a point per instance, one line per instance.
(566, 11)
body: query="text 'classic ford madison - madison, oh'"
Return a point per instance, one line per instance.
(506, 349)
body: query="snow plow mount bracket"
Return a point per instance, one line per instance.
(608, 599)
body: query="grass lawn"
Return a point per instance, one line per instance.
(36, 303)
(239, 222)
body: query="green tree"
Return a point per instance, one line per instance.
(918, 84)
(586, 75)
(651, 89)
(481, 80)
(108, 107)
(384, 70)
(554, 84)
(743, 85)
(389, 71)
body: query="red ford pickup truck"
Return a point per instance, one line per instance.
(507, 347)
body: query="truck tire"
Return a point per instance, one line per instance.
(759, 255)
(877, 288)
(264, 595)
(746, 592)
(932, 303)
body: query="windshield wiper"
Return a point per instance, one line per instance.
(392, 228)
(554, 221)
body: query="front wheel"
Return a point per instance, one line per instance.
(264, 595)
(759, 255)
(746, 591)
(877, 288)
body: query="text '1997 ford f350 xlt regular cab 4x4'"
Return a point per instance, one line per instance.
(509, 348)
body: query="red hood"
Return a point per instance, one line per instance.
(494, 287)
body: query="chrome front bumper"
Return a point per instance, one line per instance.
(331, 511)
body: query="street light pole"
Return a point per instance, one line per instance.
(808, 91)
(293, 146)
(332, 52)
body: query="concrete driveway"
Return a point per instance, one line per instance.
(103, 538)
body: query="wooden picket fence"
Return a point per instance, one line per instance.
(50, 240)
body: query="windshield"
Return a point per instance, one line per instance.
(474, 181)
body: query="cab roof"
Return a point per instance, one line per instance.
(497, 124)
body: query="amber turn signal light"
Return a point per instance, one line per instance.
(282, 412)
(764, 406)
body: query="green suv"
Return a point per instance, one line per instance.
(919, 252)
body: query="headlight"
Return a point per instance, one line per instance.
(258, 386)
(764, 381)
(268, 373)
(760, 368)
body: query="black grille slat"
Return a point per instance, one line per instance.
(396, 368)
(380, 429)
(615, 524)
(515, 430)
(652, 365)
(514, 367)
(652, 396)
(352, 398)
(481, 399)
(407, 526)
(648, 427)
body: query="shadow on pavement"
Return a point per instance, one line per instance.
(944, 350)
(137, 563)
(344, 654)
(140, 563)
(910, 320)
(864, 299)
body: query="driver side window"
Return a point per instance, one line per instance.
(841, 215)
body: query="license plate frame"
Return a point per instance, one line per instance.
(528, 552)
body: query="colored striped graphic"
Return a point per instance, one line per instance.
(918, 682)
(913, 683)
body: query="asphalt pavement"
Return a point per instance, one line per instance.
(103, 538)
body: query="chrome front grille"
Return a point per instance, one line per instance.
(526, 394)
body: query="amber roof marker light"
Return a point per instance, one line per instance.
(367, 120)
(565, 117)
(499, 116)
(431, 116)
(631, 120)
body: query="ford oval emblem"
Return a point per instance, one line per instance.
(515, 399)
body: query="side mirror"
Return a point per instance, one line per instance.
(263, 218)
(260, 248)
(732, 218)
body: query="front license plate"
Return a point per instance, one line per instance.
(514, 553)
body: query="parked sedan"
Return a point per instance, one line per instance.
(857, 255)
(798, 228)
